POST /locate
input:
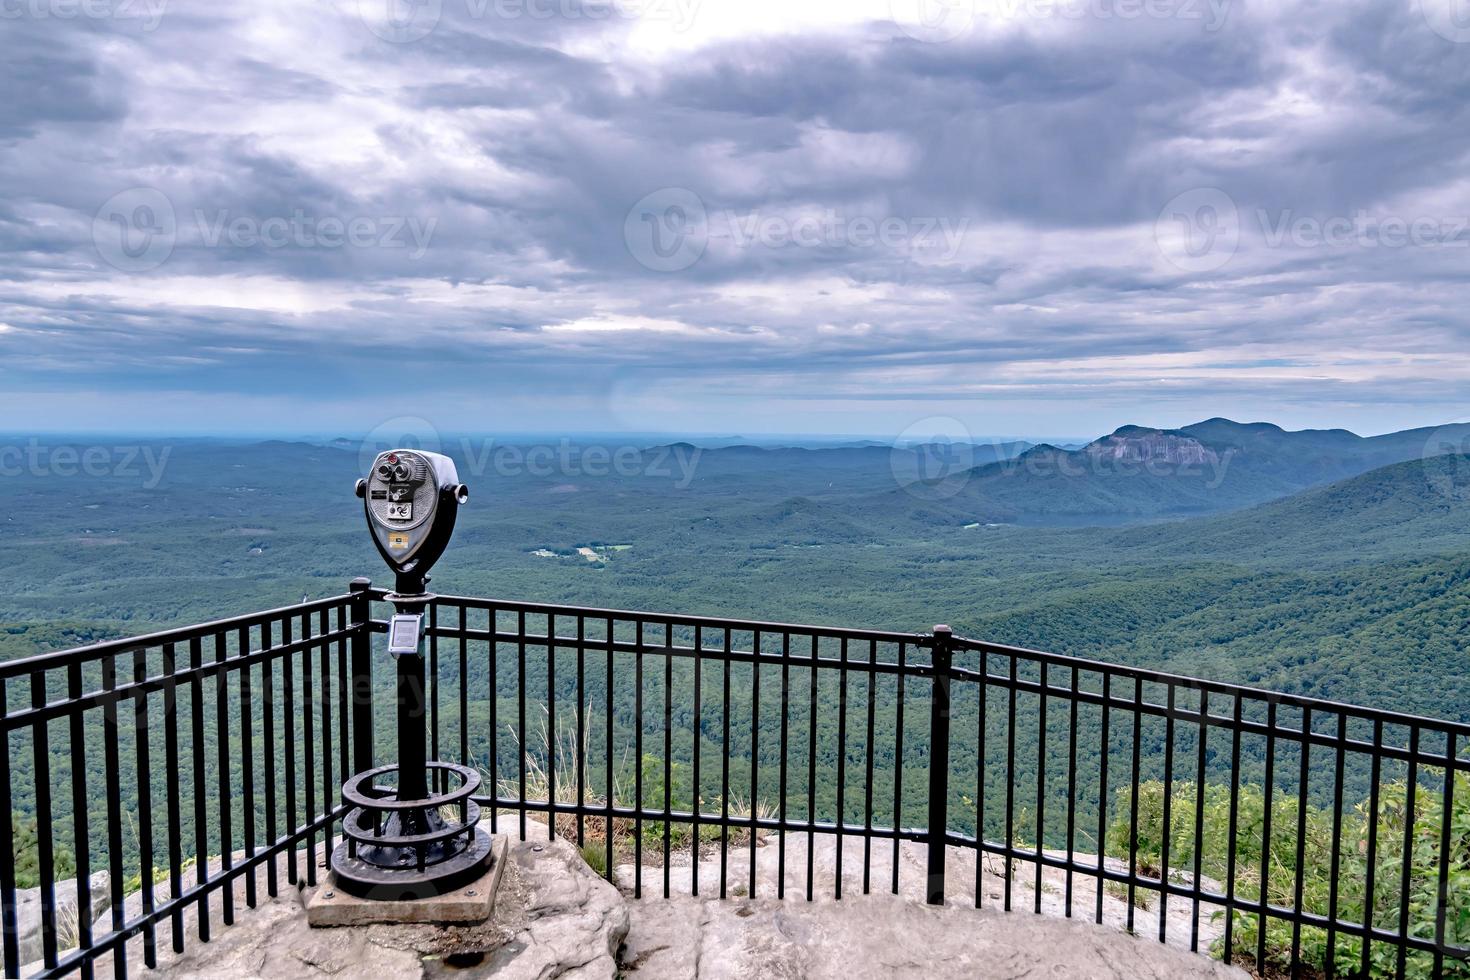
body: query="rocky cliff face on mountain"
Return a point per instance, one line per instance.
(1135, 444)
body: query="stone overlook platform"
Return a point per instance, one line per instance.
(554, 917)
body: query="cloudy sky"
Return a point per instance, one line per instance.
(733, 216)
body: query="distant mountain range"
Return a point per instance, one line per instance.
(1136, 473)
(1139, 473)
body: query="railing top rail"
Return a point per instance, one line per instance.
(965, 643)
(1213, 687)
(96, 651)
(179, 634)
(682, 619)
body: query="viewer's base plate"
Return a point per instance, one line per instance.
(472, 903)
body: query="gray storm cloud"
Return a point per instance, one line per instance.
(1037, 219)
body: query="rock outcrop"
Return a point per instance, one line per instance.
(1134, 444)
(553, 917)
(880, 934)
(29, 921)
(877, 937)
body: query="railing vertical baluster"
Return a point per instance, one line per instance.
(1303, 783)
(1447, 815)
(698, 725)
(1266, 835)
(329, 785)
(781, 772)
(1040, 784)
(1071, 788)
(308, 751)
(1168, 815)
(112, 775)
(581, 730)
(437, 785)
(222, 766)
(10, 943)
(1133, 802)
(288, 732)
(638, 763)
(1104, 754)
(1230, 840)
(898, 759)
(521, 715)
(82, 845)
(869, 763)
(608, 747)
(939, 717)
(981, 698)
(45, 845)
(464, 689)
(1199, 815)
(344, 700)
(201, 821)
(171, 793)
(145, 805)
(362, 675)
(668, 750)
(725, 772)
(755, 741)
(1406, 873)
(495, 718)
(1330, 967)
(247, 759)
(811, 771)
(552, 736)
(1371, 864)
(1010, 781)
(268, 749)
(841, 764)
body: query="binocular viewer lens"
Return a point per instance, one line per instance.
(410, 499)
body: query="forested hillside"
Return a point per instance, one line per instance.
(1350, 590)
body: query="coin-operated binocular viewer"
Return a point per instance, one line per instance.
(403, 841)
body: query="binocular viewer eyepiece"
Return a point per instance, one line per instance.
(411, 499)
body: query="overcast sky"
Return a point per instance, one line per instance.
(733, 216)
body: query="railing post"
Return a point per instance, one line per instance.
(939, 762)
(362, 676)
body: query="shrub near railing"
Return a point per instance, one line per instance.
(1345, 951)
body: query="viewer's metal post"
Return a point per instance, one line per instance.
(413, 753)
(938, 762)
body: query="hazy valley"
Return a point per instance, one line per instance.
(1318, 562)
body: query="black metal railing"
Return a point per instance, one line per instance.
(222, 745)
(1281, 831)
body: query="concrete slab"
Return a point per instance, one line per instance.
(331, 907)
